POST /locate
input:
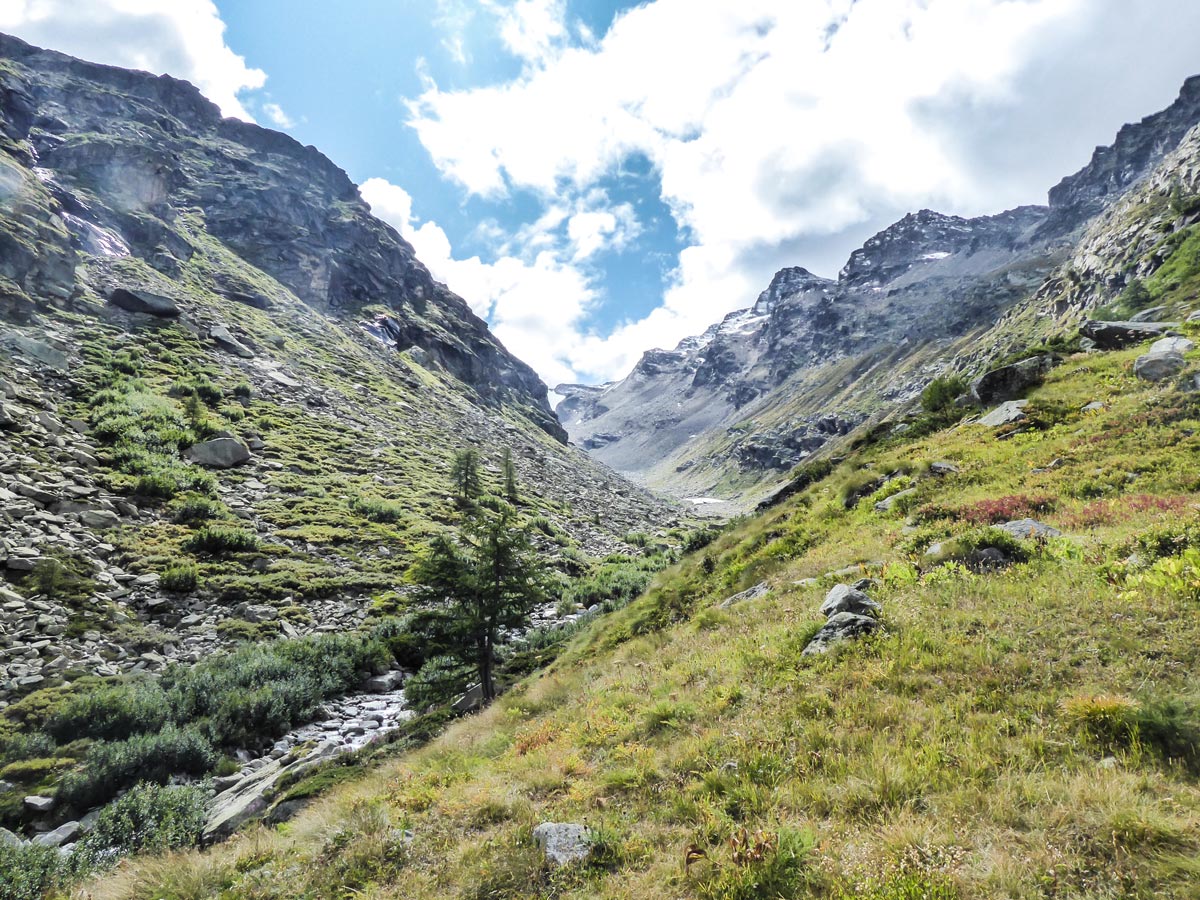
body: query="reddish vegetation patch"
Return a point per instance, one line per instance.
(1005, 509)
(1105, 512)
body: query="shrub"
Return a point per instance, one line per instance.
(180, 579)
(196, 508)
(111, 712)
(243, 391)
(378, 510)
(217, 539)
(941, 393)
(1172, 576)
(199, 386)
(29, 871)
(111, 767)
(151, 818)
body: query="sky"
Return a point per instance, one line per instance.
(600, 177)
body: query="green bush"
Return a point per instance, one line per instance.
(111, 767)
(200, 386)
(217, 539)
(196, 508)
(149, 817)
(378, 510)
(941, 393)
(111, 712)
(29, 871)
(180, 579)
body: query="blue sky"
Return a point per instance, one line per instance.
(598, 178)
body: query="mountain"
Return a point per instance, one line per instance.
(229, 395)
(727, 412)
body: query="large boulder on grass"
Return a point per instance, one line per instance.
(838, 628)
(219, 453)
(1117, 335)
(1163, 359)
(845, 598)
(1011, 381)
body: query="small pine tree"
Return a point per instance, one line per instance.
(464, 473)
(1135, 297)
(486, 582)
(510, 476)
(940, 393)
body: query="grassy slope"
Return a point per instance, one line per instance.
(963, 753)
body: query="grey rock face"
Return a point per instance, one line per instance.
(38, 350)
(226, 341)
(840, 627)
(219, 453)
(139, 301)
(563, 843)
(844, 598)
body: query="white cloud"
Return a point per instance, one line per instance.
(185, 38)
(532, 29)
(277, 116)
(779, 126)
(535, 305)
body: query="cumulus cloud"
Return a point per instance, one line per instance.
(274, 112)
(535, 303)
(185, 38)
(780, 129)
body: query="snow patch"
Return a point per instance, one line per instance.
(939, 254)
(701, 501)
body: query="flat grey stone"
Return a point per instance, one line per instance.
(219, 453)
(758, 591)
(1029, 528)
(1004, 414)
(563, 843)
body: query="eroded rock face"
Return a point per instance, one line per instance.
(152, 150)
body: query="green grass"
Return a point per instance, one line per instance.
(1029, 731)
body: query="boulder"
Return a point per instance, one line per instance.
(99, 518)
(941, 467)
(758, 591)
(563, 843)
(840, 627)
(139, 301)
(1009, 382)
(226, 341)
(886, 504)
(1118, 335)
(1163, 359)
(384, 684)
(471, 700)
(844, 598)
(219, 453)
(1025, 529)
(1004, 414)
(63, 834)
(8, 839)
(38, 804)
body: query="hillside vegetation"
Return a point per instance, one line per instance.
(1026, 723)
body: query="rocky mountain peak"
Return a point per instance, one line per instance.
(1138, 148)
(786, 283)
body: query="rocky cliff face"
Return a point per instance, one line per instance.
(132, 165)
(811, 358)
